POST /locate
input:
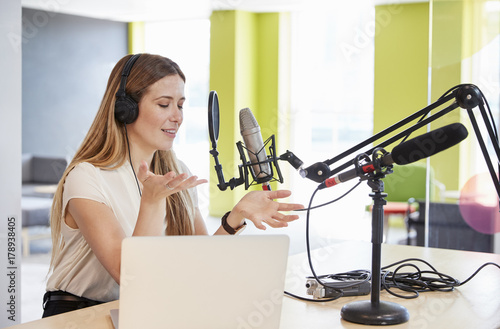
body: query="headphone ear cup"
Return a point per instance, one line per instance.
(126, 109)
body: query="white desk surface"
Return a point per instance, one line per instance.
(473, 305)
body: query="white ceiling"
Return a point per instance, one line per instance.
(154, 10)
(162, 10)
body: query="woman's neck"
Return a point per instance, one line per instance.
(137, 155)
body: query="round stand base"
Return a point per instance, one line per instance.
(365, 312)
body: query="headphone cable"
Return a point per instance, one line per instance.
(130, 160)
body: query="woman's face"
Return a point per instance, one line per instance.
(160, 115)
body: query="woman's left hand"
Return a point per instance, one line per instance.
(260, 207)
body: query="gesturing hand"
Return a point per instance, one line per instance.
(260, 207)
(158, 187)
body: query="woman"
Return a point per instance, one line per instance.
(126, 181)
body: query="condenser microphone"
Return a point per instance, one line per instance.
(250, 131)
(415, 149)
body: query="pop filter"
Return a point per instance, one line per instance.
(213, 118)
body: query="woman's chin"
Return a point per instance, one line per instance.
(165, 147)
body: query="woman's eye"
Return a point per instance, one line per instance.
(164, 105)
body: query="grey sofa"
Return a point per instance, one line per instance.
(40, 175)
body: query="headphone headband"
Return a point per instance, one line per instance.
(125, 73)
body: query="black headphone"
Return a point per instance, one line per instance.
(126, 108)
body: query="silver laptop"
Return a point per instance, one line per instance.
(202, 282)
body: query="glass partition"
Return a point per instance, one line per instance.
(464, 48)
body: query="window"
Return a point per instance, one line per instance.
(332, 105)
(187, 42)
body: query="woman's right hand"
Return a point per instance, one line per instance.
(156, 188)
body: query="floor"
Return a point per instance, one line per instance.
(326, 225)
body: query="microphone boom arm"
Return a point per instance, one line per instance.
(466, 96)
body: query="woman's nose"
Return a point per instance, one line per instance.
(177, 115)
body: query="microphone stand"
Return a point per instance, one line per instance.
(466, 96)
(374, 311)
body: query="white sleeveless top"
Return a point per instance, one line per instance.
(78, 270)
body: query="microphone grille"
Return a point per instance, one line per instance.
(428, 144)
(247, 120)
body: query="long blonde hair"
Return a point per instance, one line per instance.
(105, 146)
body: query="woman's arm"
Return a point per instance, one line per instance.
(103, 232)
(260, 207)
(100, 228)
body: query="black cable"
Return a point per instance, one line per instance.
(413, 283)
(449, 91)
(426, 113)
(130, 160)
(477, 271)
(330, 202)
(310, 299)
(308, 246)
(419, 120)
(420, 280)
(483, 98)
(491, 116)
(355, 275)
(359, 275)
(309, 255)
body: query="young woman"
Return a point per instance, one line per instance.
(126, 181)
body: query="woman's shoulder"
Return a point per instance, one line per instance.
(82, 173)
(83, 169)
(87, 167)
(85, 181)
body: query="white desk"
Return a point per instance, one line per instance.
(474, 305)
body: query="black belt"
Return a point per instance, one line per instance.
(66, 296)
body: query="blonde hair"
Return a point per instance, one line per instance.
(105, 146)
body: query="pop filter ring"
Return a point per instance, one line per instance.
(213, 118)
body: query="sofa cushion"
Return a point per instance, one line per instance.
(47, 170)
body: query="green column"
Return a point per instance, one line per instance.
(244, 70)
(401, 62)
(136, 37)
